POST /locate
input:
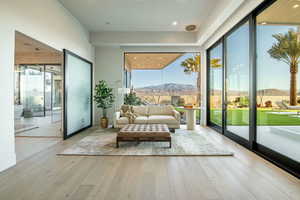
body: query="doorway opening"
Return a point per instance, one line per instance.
(38, 96)
(165, 78)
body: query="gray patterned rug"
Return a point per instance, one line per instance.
(183, 144)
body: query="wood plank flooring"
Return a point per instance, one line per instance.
(45, 176)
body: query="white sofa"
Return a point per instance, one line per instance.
(151, 114)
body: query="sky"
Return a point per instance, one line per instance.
(270, 72)
(173, 73)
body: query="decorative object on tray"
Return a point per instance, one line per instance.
(188, 106)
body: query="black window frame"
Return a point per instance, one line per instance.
(282, 161)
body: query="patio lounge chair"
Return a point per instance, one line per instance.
(284, 105)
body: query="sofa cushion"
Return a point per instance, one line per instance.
(162, 119)
(141, 120)
(140, 110)
(161, 110)
(123, 120)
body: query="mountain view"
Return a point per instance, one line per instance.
(188, 89)
(168, 89)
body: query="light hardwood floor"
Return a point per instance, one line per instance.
(28, 146)
(243, 176)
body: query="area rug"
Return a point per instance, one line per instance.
(183, 144)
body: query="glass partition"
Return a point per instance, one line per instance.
(32, 89)
(78, 94)
(48, 91)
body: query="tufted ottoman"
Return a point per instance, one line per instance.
(144, 133)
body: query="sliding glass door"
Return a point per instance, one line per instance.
(237, 82)
(278, 97)
(253, 95)
(215, 83)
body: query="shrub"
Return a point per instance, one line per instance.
(132, 99)
(268, 104)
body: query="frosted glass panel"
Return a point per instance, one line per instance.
(78, 94)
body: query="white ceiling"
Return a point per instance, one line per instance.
(140, 15)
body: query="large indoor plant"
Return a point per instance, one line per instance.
(104, 99)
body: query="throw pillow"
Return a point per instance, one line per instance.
(124, 109)
(131, 116)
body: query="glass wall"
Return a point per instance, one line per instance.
(32, 89)
(262, 57)
(38, 88)
(278, 99)
(237, 81)
(216, 84)
(54, 91)
(48, 91)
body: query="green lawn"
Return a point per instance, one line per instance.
(240, 116)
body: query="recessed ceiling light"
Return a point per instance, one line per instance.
(264, 23)
(296, 6)
(174, 23)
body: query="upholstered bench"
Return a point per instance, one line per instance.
(144, 133)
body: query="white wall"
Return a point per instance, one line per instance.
(217, 17)
(108, 67)
(46, 21)
(142, 37)
(244, 9)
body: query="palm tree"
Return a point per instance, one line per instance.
(193, 65)
(287, 49)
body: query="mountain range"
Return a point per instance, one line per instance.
(168, 89)
(189, 89)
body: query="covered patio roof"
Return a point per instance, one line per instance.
(149, 61)
(282, 12)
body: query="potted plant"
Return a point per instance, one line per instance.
(104, 99)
